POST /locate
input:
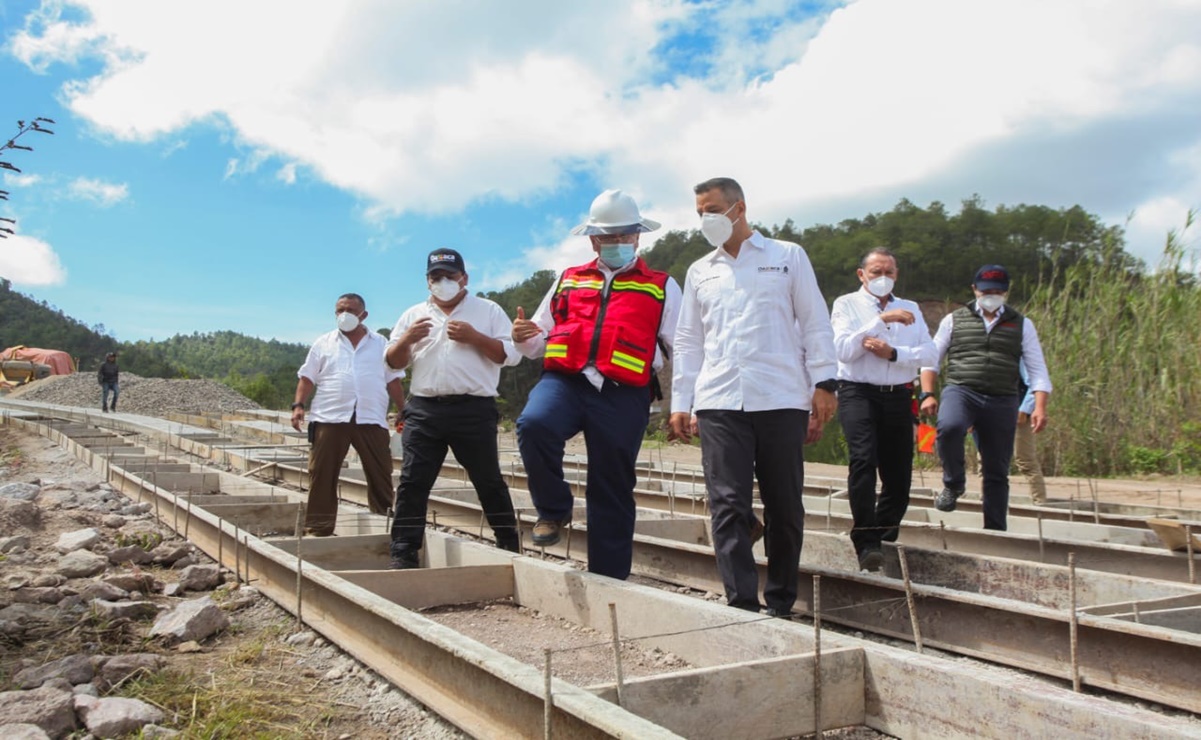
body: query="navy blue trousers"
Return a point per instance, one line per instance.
(994, 419)
(613, 421)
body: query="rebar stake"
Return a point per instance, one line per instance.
(1074, 625)
(1041, 545)
(1192, 564)
(817, 656)
(299, 563)
(548, 699)
(621, 684)
(917, 630)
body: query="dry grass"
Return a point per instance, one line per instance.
(1123, 353)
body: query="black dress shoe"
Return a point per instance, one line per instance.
(404, 562)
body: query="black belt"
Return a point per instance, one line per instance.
(907, 387)
(460, 398)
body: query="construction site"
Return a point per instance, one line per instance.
(1082, 620)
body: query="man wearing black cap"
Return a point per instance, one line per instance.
(454, 344)
(984, 344)
(108, 376)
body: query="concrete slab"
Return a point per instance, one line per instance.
(426, 587)
(772, 697)
(261, 520)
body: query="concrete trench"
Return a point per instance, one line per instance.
(742, 662)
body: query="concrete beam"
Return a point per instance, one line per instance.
(425, 587)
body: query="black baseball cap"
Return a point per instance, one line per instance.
(991, 277)
(444, 259)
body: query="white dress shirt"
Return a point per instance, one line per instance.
(1032, 350)
(856, 316)
(535, 347)
(350, 380)
(443, 367)
(747, 326)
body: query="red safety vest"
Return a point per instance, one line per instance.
(614, 328)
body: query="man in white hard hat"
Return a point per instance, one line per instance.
(602, 330)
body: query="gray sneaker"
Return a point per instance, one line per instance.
(945, 501)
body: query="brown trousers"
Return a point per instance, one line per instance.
(330, 445)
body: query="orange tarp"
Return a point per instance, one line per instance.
(60, 362)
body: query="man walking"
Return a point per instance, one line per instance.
(108, 376)
(984, 343)
(752, 314)
(454, 344)
(350, 408)
(882, 342)
(602, 331)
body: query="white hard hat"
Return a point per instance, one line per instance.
(614, 212)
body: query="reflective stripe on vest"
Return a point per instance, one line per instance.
(616, 328)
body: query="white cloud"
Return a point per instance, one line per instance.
(430, 107)
(103, 194)
(28, 261)
(287, 174)
(21, 181)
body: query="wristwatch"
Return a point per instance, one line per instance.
(297, 405)
(924, 395)
(830, 386)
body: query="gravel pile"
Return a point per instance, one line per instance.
(146, 396)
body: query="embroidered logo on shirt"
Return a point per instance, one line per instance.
(774, 268)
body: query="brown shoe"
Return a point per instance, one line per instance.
(546, 532)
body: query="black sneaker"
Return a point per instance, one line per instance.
(777, 613)
(945, 500)
(407, 561)
(871, 560)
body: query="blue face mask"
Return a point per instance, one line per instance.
(617, 255)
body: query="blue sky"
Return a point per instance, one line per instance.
(227, 165)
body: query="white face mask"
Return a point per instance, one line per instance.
(992, 302)
(445, 289)
(347, 322)
(880, 287)
(717, 228)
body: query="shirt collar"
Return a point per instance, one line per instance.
(755, 240)
(874, 301)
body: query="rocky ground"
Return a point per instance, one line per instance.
(148, 396)
(109, 627)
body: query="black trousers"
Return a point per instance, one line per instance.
(467, 426)
(736, 448)
(878, 426)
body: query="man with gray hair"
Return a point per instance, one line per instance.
(882, 343)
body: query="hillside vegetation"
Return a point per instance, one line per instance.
(1120, 342)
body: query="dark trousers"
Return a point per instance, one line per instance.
(994, 419)
(330, 445)
(736, 448)
(613, 421)
(467, 426)
(107, 387)
(878, 426)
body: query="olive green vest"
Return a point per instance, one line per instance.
(986, 362)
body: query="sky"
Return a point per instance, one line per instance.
(224, 165)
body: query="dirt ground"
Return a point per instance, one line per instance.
(247, 681)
